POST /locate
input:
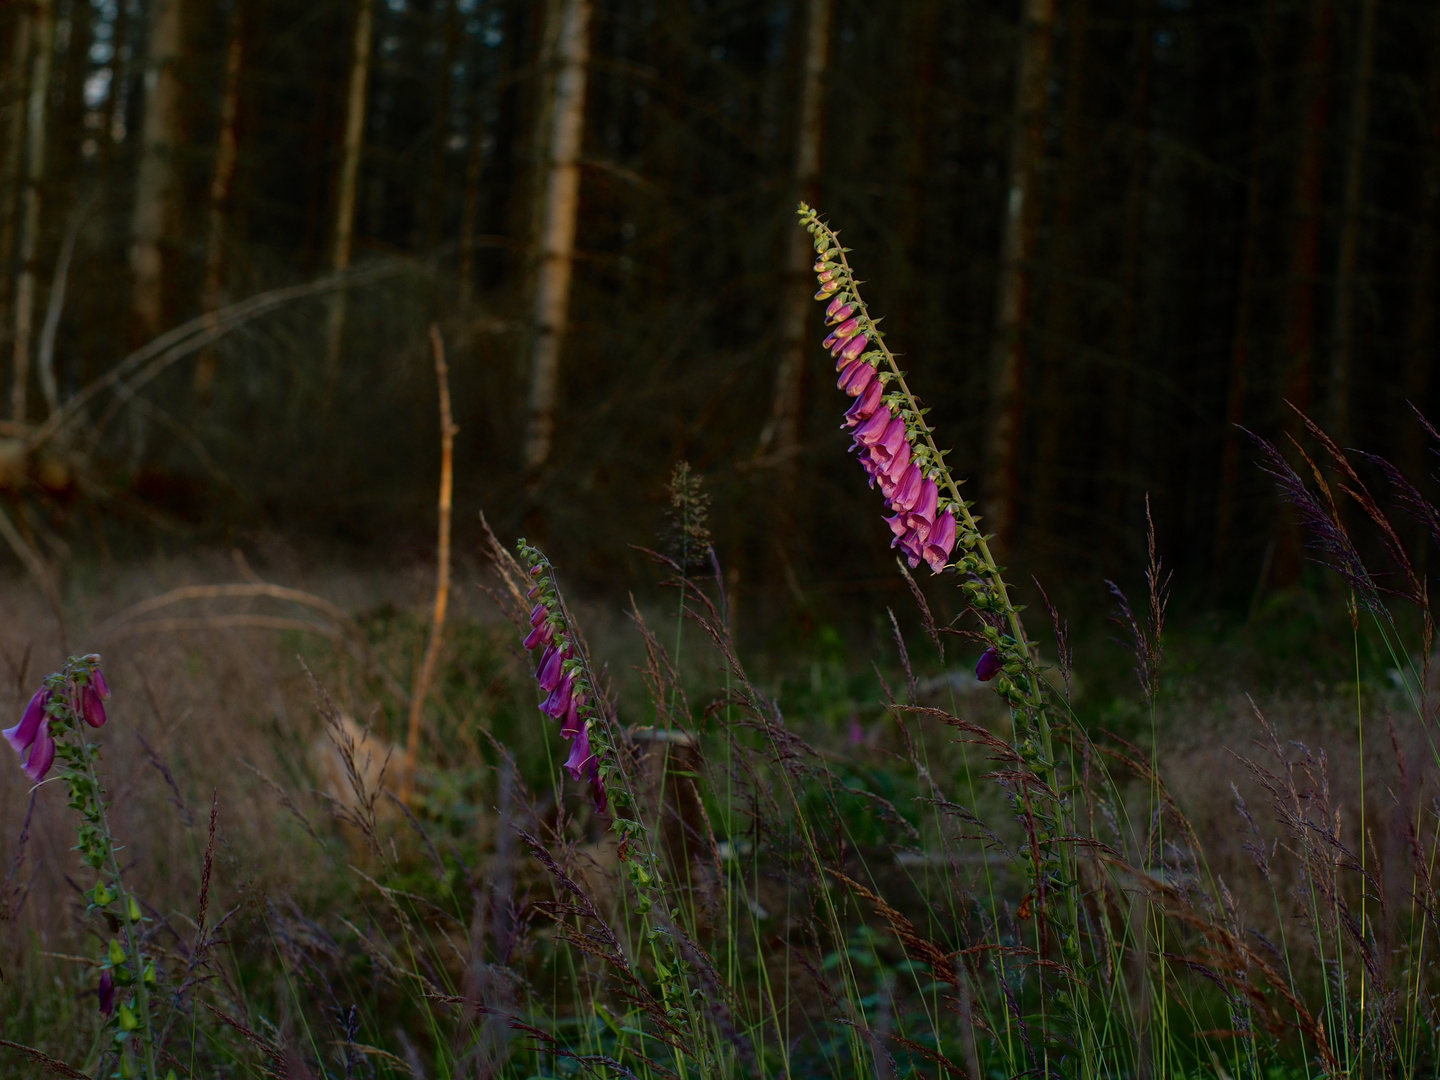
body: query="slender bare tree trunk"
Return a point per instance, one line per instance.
(15, 100)
(1244, 300)
(1420, 324)
(1343, 347)
(348, 182)
(435, 211)
(557, 228)
(1017, 252)
(29, 239)
(222, 184)
(781, 435)
(1062, 317)
(1305, 235)
(156, 183)
(1137, 191)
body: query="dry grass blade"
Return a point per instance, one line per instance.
(45, 1061)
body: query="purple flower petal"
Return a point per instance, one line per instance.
(838, 311)
(107, 992)
(826, 289)
(848, 329)
(91, 708)
(898, 526)
(580, 754)
(888, 445)
(898, 465)
(924, 507)
(989, 665)
(873, 430)
(858, 377)
(940, 542)
(855, 346)
(597, 786)
(907, 488)
(23, 734)
(538, 614)
(551, 666)
(559, 699)
(572, 725)
(97, 678)
(42, 754)
(865, 405)
(541, 635)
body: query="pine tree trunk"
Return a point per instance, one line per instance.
(28, 245)
(1017, 252)
(156, 183)
(1062, 322)
(1342, 356)
(1420, 323)
(781, 436)
(1305, 236)
(1239, 381)
(17, 79)
(222, 184)
(348, 182)
(557, 228)
(435, 209)
(1137, 189)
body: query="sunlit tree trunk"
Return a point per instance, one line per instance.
(557, 228)
(348, 181)
(1017, 252)
(28, 245)
(222, 184)
(781, 435)
(16, 81)
(1343, 347)
(156, 183)
(1239, 381)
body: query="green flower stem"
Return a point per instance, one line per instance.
(124, 898)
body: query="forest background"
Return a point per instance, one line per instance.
(1103, 233)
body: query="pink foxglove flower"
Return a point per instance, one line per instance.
(989, 665)
(107, 992)
(31, 739)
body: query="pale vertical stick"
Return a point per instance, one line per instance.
(557, 230)
(442, 567)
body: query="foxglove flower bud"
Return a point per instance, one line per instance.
(90, 707)
(97, 677)
(838, 311)
(107, 992)
(989, 665)
(552, 665)
(865, 405)
(559, 700)
(543, 634)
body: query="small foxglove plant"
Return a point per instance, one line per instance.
(931, 522)
(51, 735)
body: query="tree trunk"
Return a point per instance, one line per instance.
(781, 436)
(1420, 324)
(28, 246)
(557, 228)
(1017, 252)
(347, 183)
(435, 210)
(15, 99)
(1343, 347)
(1062, 323)
(1305, 235)
(470, 212)
(1240, 349)
(156, 183)
(1137, 190)
(222, 184)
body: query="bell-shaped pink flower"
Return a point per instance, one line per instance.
(552, 665)
(838, 311)
(924, 508)
(888, 445)
(106, 992)
(874, 429)
(559, 700)
(941, 542)
(907, 488)
(857, 377)
(579, 759)
(42, 754)
(543, 634)
(538, 614)
(97, 678)
(989, 665)
(23, 734)
(898, 464)
(854, 347)
(572, 724)
(865, 405)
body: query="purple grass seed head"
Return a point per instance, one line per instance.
(989, 665)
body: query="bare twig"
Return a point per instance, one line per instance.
(442, 567)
